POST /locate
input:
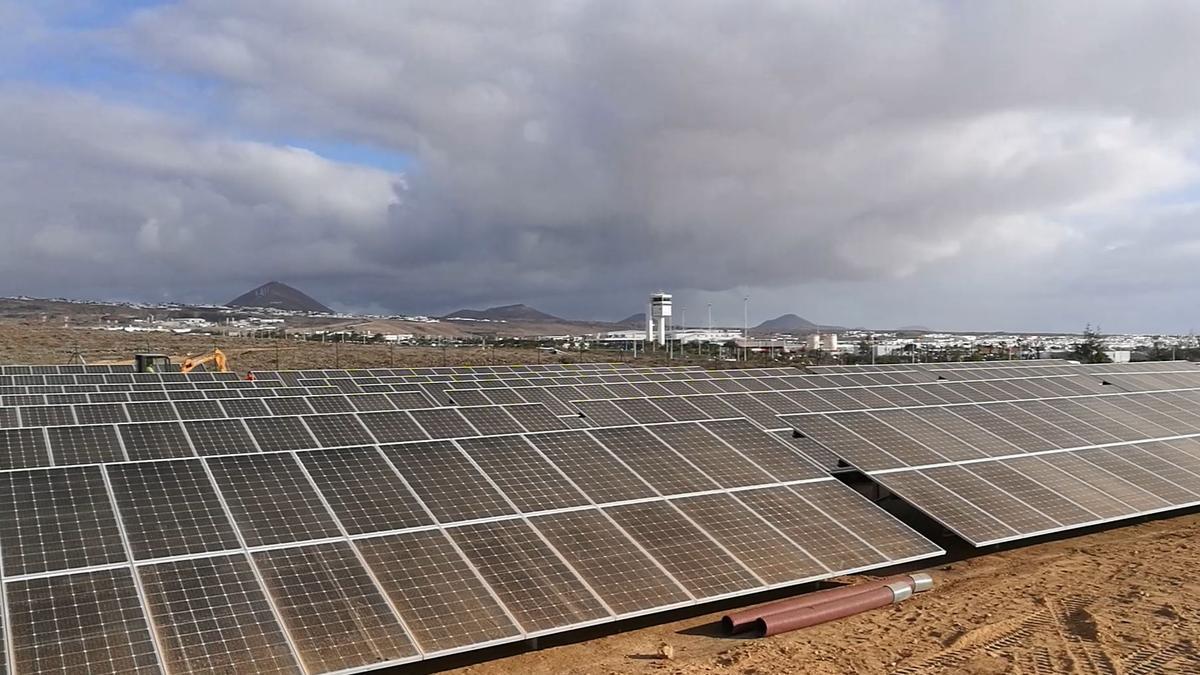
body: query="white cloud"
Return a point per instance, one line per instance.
(597, 149)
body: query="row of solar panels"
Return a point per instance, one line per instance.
(647, 406)
(999, 471)
(277, 560)
(116, 441)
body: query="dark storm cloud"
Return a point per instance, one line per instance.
(581, 153)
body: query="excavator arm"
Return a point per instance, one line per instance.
(216, 357)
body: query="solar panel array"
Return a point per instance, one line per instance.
(360, 530)
(995, 472)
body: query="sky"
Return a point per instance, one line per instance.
(1009, 165)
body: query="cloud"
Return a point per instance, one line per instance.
(580, 153)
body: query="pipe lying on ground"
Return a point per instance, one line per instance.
(744, 620)
(782, 622)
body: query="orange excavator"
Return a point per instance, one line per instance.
(215, 357)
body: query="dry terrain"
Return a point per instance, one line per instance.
(1125, 601)
(27, 342)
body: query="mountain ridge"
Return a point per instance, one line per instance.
(278, 295)
(519, 312)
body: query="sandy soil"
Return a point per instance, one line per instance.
(24, 343)
(1119, 602)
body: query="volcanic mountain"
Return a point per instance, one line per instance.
(276, 295)
(505, 313)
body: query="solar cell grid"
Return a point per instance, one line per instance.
(101, 413)
(336, 616)
(393, 427)
(95, 444)
(23, 448)
(160, 411)
(199, 410)
(881, 532)
(643, 410)
(768, 553)
(333, 431)
(603, 413)
(1031, 492)
(536, 417)
(288, 405)
(972, 434)
(535, 585)
(170, 509)
(270, 499)
(956, 513)
(747, 406)
(522, 474)
(219, 437)
(446, 481)
(443, 423)
(680, 409)
(47, 416)
(364, 491)
(280, 433)
(703, 567)
(591, 467)
(212, 616)
(915, 427)
(88, 622)
(834, 546)
(652, 460)
(58, 519)
(240, 407)
(491, 420)
(843, 442)
(1007, 509)
(616, 569)
(155, 440)
(716, 459)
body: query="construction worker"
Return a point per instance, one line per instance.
(250, 376)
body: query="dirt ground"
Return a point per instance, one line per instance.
(1120, 602)
(25, 343)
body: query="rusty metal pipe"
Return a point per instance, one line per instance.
(744, 620)
(782, 622)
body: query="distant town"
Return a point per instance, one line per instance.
(288, 313)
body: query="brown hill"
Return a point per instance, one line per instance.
(276, 295)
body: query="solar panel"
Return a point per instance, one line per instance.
(443, 423)
(280, 433)
(170, 509)
(447, 482)
(84, 445)
(211, 615)
(270, 499)
(536, 586)
(522, 474)
(61, 519)
(155, 440)
(364, 491)
(653, 461)
(337, 430)
(597, 472)
(772, 556)
(614, 567)
(23, 448)
(703, 566)
(711, 455)
(441, 598)
(89, 622)
(334, 613)
(219, 437)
